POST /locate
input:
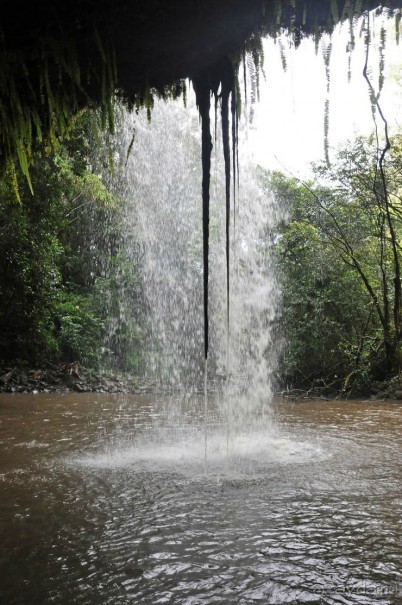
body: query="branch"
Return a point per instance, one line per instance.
(386, 148)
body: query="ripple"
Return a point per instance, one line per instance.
(308, 513)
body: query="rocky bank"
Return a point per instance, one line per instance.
(67, 377)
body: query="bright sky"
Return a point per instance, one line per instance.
(288, 127)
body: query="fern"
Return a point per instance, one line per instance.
(12, 174)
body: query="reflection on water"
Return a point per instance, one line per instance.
(104, 503)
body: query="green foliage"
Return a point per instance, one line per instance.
(339, 256)
(55, 247)
(322, 298)
(29, 273)
(117, 297)
(42, 89)
(79, 330)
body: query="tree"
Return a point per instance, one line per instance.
(340, 255)
(55, 246)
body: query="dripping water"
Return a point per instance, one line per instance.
(205, 413)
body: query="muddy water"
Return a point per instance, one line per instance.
(104, 501)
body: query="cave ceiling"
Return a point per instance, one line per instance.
(153, 44)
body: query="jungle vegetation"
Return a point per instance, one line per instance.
(340, 256)
(62, 261)
(53, 63)
(59, 83)
(338, 251)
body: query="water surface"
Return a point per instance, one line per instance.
(104, 501)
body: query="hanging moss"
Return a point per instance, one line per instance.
(327, 51)
(40, 94)
(52, 63)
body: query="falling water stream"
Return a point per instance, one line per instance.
(181, 498)
(162, 188)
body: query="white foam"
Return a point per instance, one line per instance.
(177, 454)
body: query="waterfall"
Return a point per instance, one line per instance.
(163, 216)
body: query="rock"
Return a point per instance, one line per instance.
(66, 377)
(6, 377)
(80, 388)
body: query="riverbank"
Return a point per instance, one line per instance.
(67, 377)
(387, 389)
